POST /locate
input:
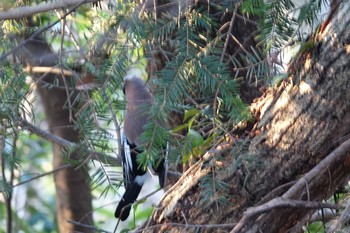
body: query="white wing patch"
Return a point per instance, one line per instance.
(166, 159)
(127, 158)
(141, 179)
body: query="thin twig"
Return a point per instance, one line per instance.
(71, 35)
(182, 225)
(229, 31)
(276, 192)
(3, 56)
(65, 143)
(44, 174)
(69, 102)
(87, 226)
(97, 208)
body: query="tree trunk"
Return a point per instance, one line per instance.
(74, 200)
(298, 125)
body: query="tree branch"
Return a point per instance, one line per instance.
(337, 155)
(25, 11)
(65, 143)
(43, 174)
(251, 214)
(87, 226)
(4, 55)
(186, 226)
(48, 69)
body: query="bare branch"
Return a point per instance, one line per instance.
(65, 143)
(48, 69)
(229, 31)
(337, 155)
(4, 55)
(43, 174)
(25, 11)
(252, 213)
(87, 226)
(186, 226)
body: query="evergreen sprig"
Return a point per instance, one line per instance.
(277, 24)
(195, 71)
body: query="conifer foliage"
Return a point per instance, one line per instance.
(195, 55)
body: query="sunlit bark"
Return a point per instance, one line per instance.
(298, 125)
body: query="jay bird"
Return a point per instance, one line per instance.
(137, 96)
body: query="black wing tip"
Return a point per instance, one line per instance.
(122, 212)
(160, 171)
(131, 193)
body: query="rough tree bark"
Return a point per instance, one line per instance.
(298, 125)
(74, 200)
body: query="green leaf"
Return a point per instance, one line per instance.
(190, 113)
(193, 145)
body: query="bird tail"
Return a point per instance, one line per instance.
(160, 171)
(162, 167)
(131, 193)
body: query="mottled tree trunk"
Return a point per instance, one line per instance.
(298, 125)
(73, 196)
